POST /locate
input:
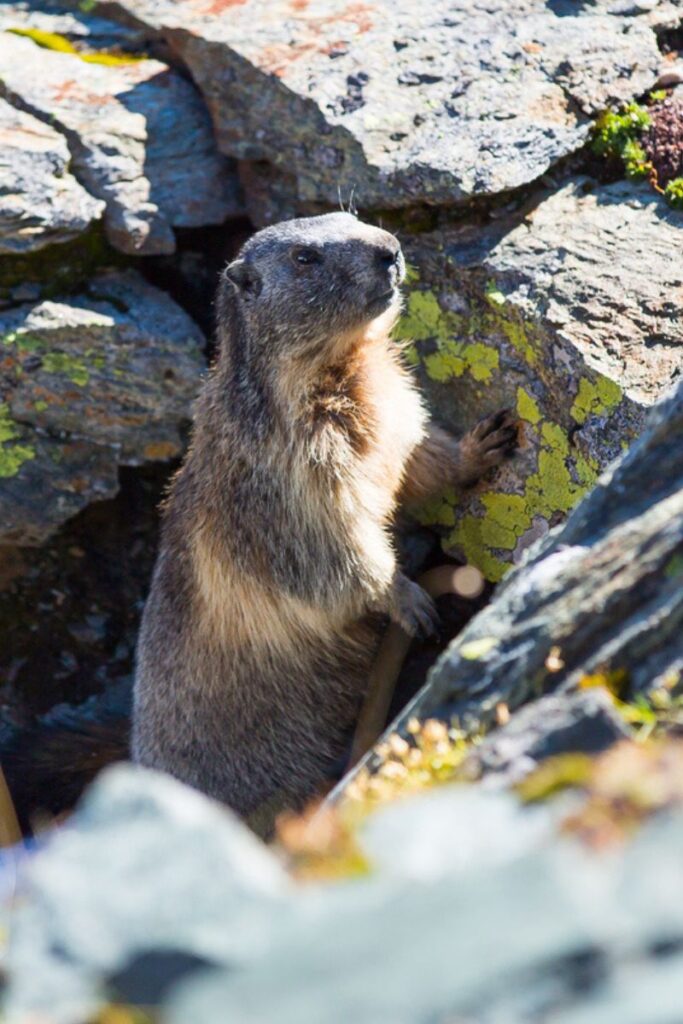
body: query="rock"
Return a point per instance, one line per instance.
(139, 136)
(601, 596)
(86, 383)
(584, 722)
(577, 329)
(40, 201)
(156, 892)
(405, 103)
(147, 893)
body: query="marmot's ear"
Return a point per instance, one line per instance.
(244, 277)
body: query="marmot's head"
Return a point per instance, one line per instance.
(302, 284)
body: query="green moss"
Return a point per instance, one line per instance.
(614, 131)
(527, 409)
(12, 456)
(636, 163)
(673, 193)
(595, 398)
(61, 268)
(40, 406)
(60, 44)
(674, 567)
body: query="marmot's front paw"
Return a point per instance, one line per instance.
(494, 439)
(413, 609)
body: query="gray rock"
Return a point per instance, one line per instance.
(139, 136)
(606, 590)
(584, 722)
(40, 201)
(568, 314)
(86, 383)
(405, 103)
(146, 865)
(475, 911)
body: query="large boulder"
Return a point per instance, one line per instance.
(139, 136)
(569, 314)
(40, 200)
(405, 103)
(88, 382)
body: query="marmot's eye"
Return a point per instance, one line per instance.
(305, 256)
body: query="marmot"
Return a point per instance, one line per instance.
(276, 546)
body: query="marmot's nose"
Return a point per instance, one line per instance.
(388, 255)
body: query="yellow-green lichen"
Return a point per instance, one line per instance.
(595, 398)
(438, 511)
(424, 318)
(60, 44)
(72, 367)
(527, 409)
(468, 536)
(12, 456)
(552, 489)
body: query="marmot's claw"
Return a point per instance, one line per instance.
(414, 610)
(493, 439)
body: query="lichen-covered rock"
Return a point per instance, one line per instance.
(88, 382)
(601, 596)
(571, 316)
(139, 135)
(40, 201)
(405, 102)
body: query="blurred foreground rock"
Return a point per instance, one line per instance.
(475, 911)
(86, 383)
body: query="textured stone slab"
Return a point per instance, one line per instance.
(139, 135)
(86, 383)
(405, 102)
(40, 201)
(570, 315)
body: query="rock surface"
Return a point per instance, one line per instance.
(602, 595)
(405, 103)
(139, 135)
(570, 315)
(40, 201)
(154, 894)
(86, 383)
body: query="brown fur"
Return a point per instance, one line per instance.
(257, 637)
